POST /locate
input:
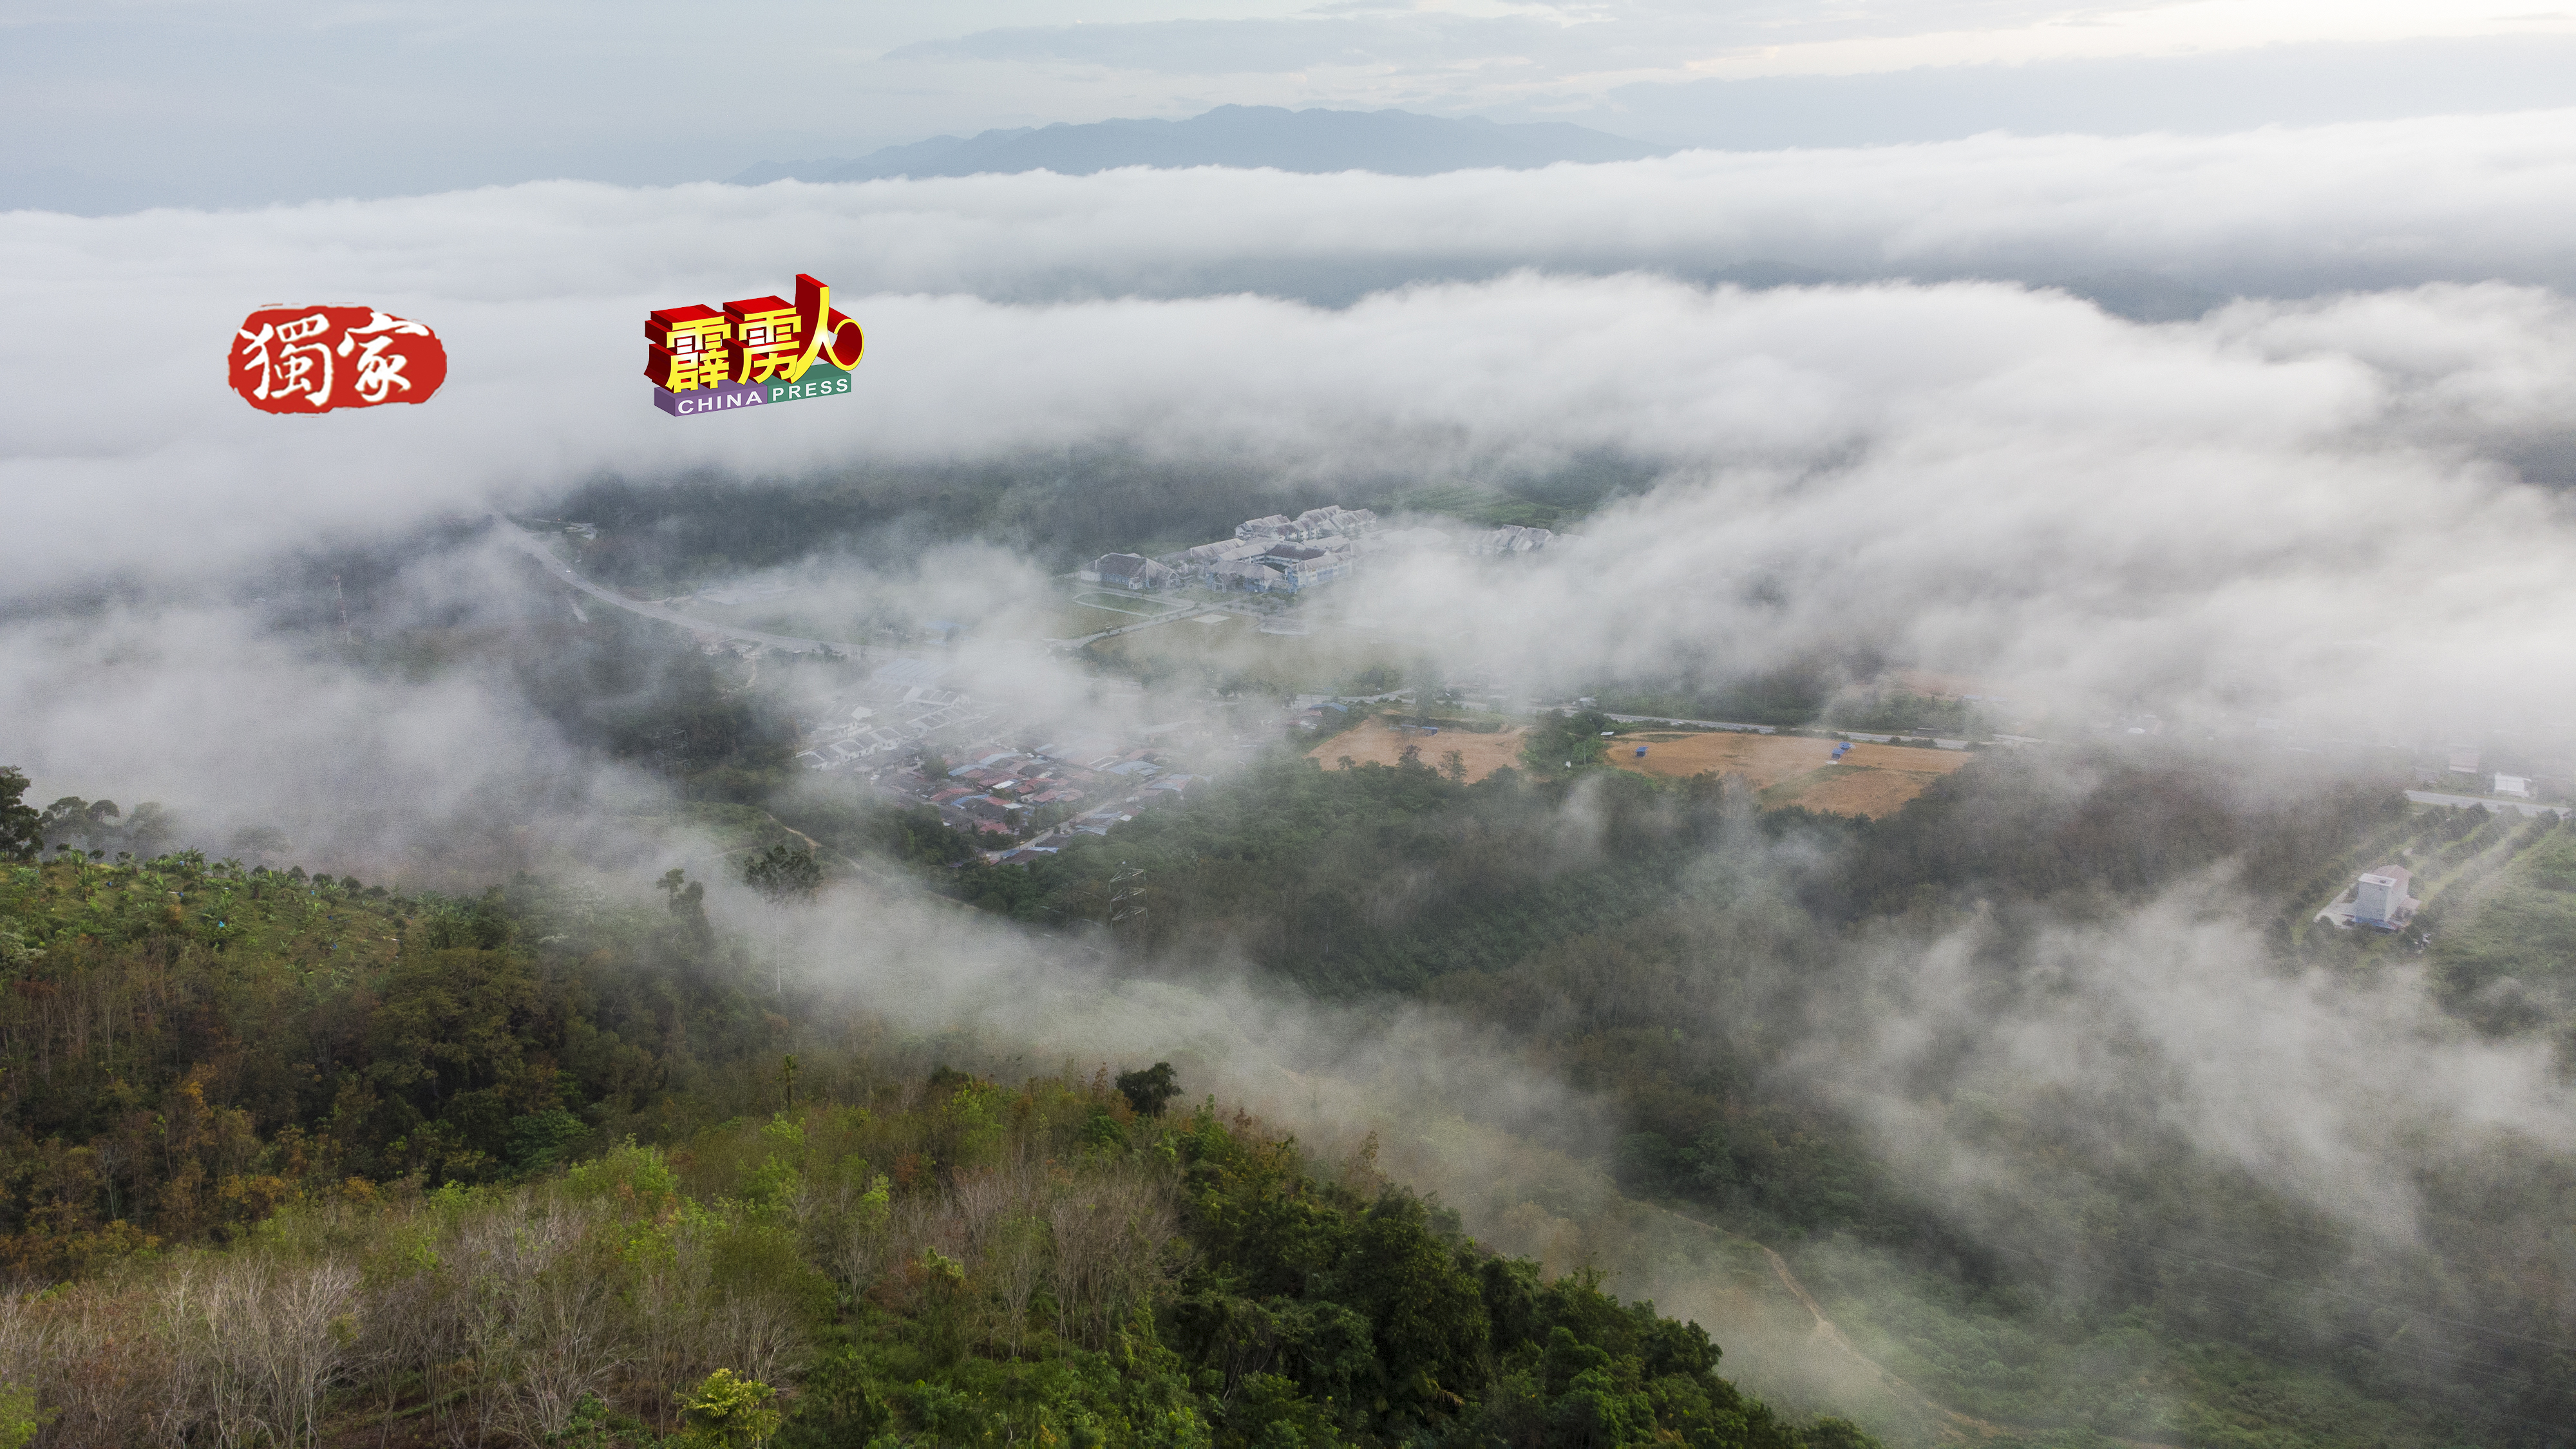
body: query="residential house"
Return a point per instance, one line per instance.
(1511, 538)
(1134, 571)
(1258, 576)
(1224, 550)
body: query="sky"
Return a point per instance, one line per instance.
(137, 103)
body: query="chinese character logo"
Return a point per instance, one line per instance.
(756, 351)
(314, 359)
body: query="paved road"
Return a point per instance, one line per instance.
(1704, 724)
(2433, 797)
(1172, 617)
(536, 548)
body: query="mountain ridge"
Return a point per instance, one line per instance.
(1311, 141)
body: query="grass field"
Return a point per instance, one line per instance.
(1074, 621)
(2509, 954)
(1382, 743)
(1872, 780)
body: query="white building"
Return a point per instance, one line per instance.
(1333, 521)
(1269, 559)
(1223, 551)
(1255, 575)
(1511, 538)
(2517, 786)
(1303, 565)
(2380, 899)
(1330, 521)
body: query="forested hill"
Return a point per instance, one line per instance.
(1719, 972)
(285, 1073)
(305, 1159)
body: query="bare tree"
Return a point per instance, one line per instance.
(255, 1343)
(1111, 1239)
(1015, 1258)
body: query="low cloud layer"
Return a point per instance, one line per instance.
(2172, 1019)
(2291, 211)
(2347, 504)
(2245, 513)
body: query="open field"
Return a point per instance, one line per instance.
(1380, 742)
(1854, 790)
(2521, 928)
(1872, 780)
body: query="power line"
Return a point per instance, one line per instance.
(1126, 894)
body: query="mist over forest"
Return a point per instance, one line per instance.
(1817, 901)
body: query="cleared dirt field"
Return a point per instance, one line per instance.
(1872, 780)
(1376, 740)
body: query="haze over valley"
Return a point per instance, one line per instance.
(1446, 746)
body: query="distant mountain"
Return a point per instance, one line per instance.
(1397, 143)
(2143, 296)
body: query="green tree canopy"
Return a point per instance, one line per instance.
(1150, 1089)
(19, 839)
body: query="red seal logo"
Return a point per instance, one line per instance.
(314, 359)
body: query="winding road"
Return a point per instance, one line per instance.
(2436, 797)
(536, 548)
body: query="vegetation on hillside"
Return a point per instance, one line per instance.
(288, 1158)
(203, 1056)
(1655, 943)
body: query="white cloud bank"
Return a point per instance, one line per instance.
(2313, 503)
(2276, 498)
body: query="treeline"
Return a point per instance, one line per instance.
(1788, 697)
(1061, 510)
(665, 537)
(631, 690)
(954, 1262)
(305, 1160)
(186, 1044)
(1657, 944)
(1384, 878)
(1664, 944)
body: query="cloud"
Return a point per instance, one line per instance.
(2173, 1020)
(2257, 510)
(2201, 93)
(450, 780)
(2332, 500)
(2326, 504)
(1540, 45)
